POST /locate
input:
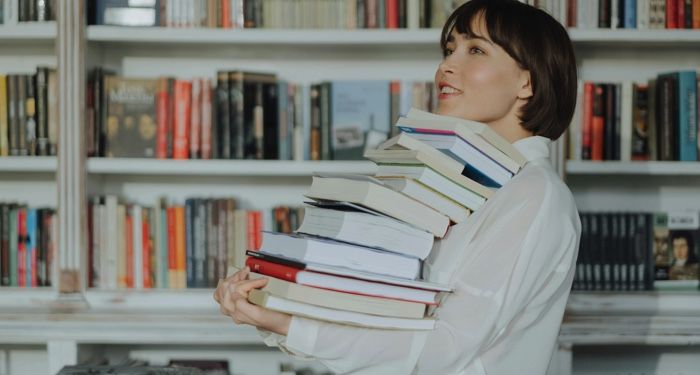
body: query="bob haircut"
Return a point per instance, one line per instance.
(539, 44)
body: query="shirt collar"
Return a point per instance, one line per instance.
(535, 147)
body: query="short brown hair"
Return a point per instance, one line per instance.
(540, 45)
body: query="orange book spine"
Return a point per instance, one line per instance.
(162, 119)
(392, 14)
(226, 14)
(696, 14)
(587, 129)
(180, 255)
(147, 249)
(172, 265)
(206, 119)
(250, 229)
(129, 223)
(183, 94)
(196, 119)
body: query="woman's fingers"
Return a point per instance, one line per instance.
(242, 288)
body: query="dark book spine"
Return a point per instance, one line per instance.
(170, 122)
(42, 105)
(222, 115)
(326, 122)
(200, 249)
(221, 252)
(640, 123)
(271, 120)
(617, 142)
(381, 14)
(315, 123)
(604, 13)
(426, 14)
(361, 14)
(620, 13)
(4, 245)
(189, 243)
(646, 268)
(257, 123)
(237, 114)
(30, 114)
(402, 13)
(23, 5)
(609, 138)
(97, 103)
(598, 123)
(32, 9)
(249, 15)
(606, 253)
(617, 250)
(22, 115)
(213, 245)
(665, 117)
(13, 127)
(596, 249)
(688, 14)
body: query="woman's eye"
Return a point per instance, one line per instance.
(476, 51)
(446, 52)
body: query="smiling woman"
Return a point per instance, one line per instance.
(511, 263)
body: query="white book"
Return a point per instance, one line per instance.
(479, 128)
(265, 299)
(435, 181)
(413, 14)
(339, 254)
(96, 250)
(643, 14)
(424, 194)
(575, 129)
(137, 245)
(366, 229)
(379, 198)
(112, 242)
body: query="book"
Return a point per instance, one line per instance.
(435, 181)
(478, 128)
(272, 302)
(341, 301)
(379, 198)
(131, 117)
(348, 272)
(684, 249)
(431, 198)
(340, 283)
(366, 229)
(306, 248)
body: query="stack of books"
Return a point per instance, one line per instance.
(357, 256)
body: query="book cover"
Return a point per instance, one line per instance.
(131, 117)
(684, 238)
(182, 119)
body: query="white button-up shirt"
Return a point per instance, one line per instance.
(511, 265)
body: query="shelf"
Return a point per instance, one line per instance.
(28, 31)
(28, 164)
(423, 37)
(660, 168)
(634, 303)
(224, 167)
(261, 36)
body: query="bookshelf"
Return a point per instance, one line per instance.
(107, 321)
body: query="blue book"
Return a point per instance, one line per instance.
(31, 245)
(360, 117)
(687, 116)
(630, 14)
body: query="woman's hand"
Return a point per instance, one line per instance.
(232, 296)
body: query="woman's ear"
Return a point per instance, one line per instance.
(525, 91)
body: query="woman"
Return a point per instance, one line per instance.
(511, 264)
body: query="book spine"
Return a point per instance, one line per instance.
(273, 270)
(180, 248)
(640, 122)
(4, 245)
(213, 241)
(221, 253)
(201, 244)
(4, 141)
(31, 270)
(672, 14)
(170, 123)
(189, 242)
(665, 117)
(609, 122)
(687, 116)
(196, 121)
(630, 14)
(42, 103)
(129, 244)
(137, 246)
(222, 115)
(182, 119)
(392, 14)
(598, 123)
(604, 11)
(147, 248)
(162, 119)
(172, 251)
(696, 14)
(206, 121)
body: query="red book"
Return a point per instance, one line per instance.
(147, 251)
(162, 119)
(258, 229)
(225, 14)
(196, 118)
(129, 224)
(587, 127)
(205, 147)
(598, 123)
(182, 119)
(680, 5)
(172, 265)
(250, 227)
(571, 14)
(22, 247)
(671, 14)
(392, 14)
(696, 14)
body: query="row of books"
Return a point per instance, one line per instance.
(624, 14)
(167, 245)
(13, 11)
(638, 251)
(29, 113)
(27, 243)
(657, 120)
(279, 14)
(244, 115)
(357, 256)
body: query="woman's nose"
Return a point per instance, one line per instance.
(446, 67)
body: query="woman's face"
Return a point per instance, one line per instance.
(477, 80)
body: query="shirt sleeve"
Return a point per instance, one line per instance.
(504, 266)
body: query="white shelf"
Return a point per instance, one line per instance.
(423, 37)
(261, 36)
(224, 167)
(661, 168)
(28, 164)
(28, 31)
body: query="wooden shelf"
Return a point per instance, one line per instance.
(28, 32)
(422, 37)
(28, 164)
(224, 167)
(660, 168)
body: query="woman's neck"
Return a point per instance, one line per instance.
(512, 131)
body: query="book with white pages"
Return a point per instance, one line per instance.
(348, 272)
(435, 181)
(461, 126)
(394, 151)
(422, 193)
(366, 229)
(360, 190)
(304, 248)
(478, 165)
(272, 302)
(340, 300)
